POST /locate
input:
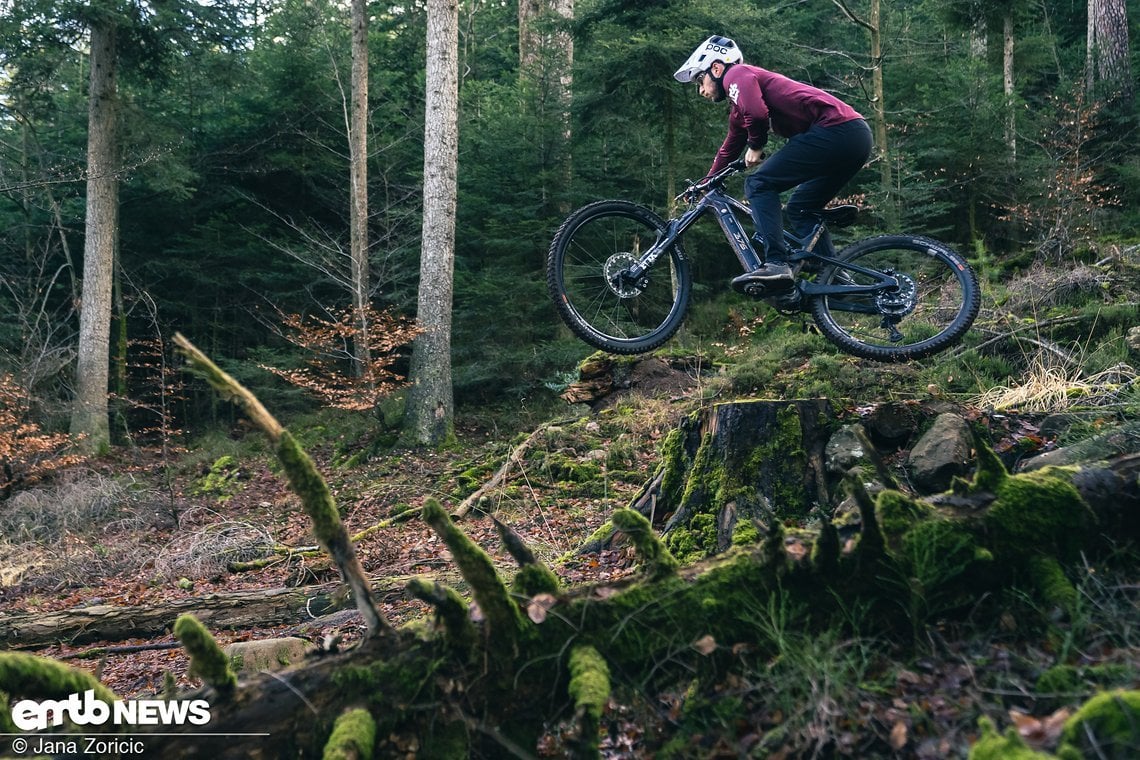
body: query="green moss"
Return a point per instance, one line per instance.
(561, 468)
(1057, 686)
(705, 480)
(307, 482)
(683, 544)
(1107, 726)
(696, 540)
(207, 660)
(654, 555)
(220, 482)
(1039, 512)
(1050, 581)
(745, 534)
(1061, 679)
(675, 462)
(353, 736)
(990, 474)
(897, 513)
(787, 446)
(503, 616)
(1009, 746)
(450, 609)
(389, 684)
(535, 579)
(589, 680)
(600, 536)
(30, 677)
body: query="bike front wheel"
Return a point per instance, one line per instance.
(586, 275)
(936, 299)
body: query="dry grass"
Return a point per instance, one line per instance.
(75, 503)
(1041, 287)
(208, 552)
(1052, 388)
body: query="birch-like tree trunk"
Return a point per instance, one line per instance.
(428, 419)
(89, 415)
(358, 160)
(1107, 59)
(873, 24)
(1007, 84)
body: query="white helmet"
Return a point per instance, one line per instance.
(715, 48)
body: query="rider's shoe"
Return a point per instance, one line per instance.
(773, 275)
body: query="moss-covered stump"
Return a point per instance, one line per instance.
(734, 463)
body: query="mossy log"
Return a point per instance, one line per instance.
(489, 688)
(255, 608)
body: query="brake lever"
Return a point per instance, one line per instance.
(689, 194)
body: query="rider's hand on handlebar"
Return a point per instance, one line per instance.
(693, 192)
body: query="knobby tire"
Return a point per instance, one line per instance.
(591, 245)
(940, 299)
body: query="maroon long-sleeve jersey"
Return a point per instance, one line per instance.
(762, 100)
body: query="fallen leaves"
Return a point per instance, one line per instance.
(1040, 733)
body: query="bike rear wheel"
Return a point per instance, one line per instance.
(935, 303)
(587, 257)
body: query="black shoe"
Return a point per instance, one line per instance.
(772, 276)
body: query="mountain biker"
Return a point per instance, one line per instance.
(828, 143)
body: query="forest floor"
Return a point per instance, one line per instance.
(175, 532)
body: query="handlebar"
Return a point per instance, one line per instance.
(694, 189)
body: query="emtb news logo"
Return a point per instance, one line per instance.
(85, 710)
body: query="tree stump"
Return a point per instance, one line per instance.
(733, 464)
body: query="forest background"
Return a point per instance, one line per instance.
(1000, 131)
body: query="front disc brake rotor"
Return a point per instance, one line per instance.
(619, 283)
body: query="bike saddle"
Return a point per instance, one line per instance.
(836, 216)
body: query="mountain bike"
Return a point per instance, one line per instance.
(621, 280)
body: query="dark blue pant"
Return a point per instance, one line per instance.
(818, 163)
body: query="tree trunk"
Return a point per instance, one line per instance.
(528, 36)
(430, 409)
(358, 184)
(1008, 88)
(873, 25)
(260, 608)
(89, 415)
(1108, 60)
(546, 58)
(886, 175)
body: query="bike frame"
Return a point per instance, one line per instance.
(725, 208)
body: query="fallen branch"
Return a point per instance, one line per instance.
(305, 480)
(496, 480)
(91, 654)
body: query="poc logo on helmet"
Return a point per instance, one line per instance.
(716, 48)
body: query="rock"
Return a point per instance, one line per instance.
(844, 450)
(266, 654)
(941, 453)
(891, 424)
(1133, 338)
